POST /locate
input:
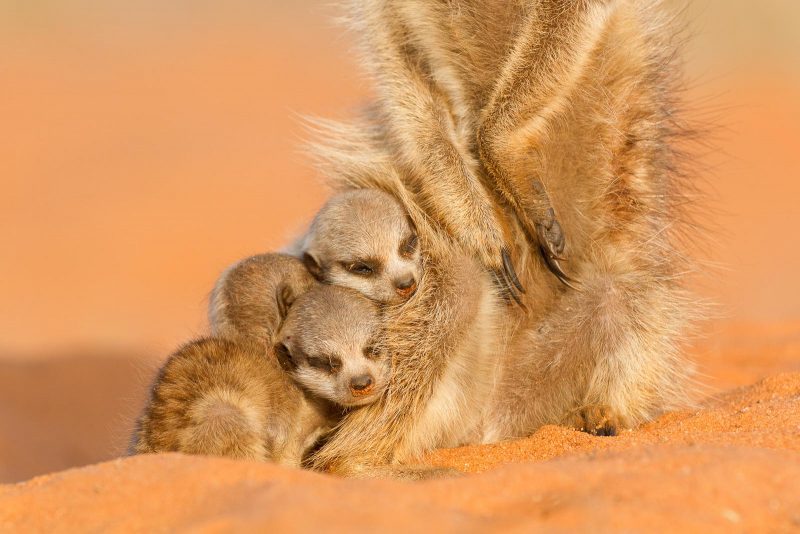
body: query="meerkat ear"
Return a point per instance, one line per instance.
(285, 297)
(312, 265)
(284, 357)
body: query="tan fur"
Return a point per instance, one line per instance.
(336, 327)
(227, 397)
(445, 344)
(244, 299)
(427, 139)
(579, 96)
(261, 393)
(365, 229)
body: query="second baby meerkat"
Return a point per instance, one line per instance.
(228, 396)
(243, 301)
(364, 239)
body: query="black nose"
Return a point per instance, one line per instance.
(404, 283)
(405, 287)
(360, 383)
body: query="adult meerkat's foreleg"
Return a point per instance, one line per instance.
(421, 128)
(543, 68)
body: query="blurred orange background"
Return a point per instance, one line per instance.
(145, 146)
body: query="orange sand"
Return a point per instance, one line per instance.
(733, 462)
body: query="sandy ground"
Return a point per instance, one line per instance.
(732, 464)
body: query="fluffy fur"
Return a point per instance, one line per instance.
(297, 353)
(227, 397)
(330, 345)
(480, 107)
(444, 346)
(245, 298)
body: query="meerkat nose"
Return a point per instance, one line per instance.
(361, 385)
(405, 287)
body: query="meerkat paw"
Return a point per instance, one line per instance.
(599, 420)
(492, 251)
(542, 226)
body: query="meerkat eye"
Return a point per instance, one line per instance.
(360, 268)
(322, 363)
(409, 246)
(329, 364)
(372, 352)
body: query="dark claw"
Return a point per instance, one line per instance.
(508, 291)
(510, 273)
(551, 245)
(551, 240)
(556, 235)
(516, 299)
(554, 267)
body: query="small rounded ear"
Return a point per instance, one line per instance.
(285, 297)
(312, 265)
(284, 357)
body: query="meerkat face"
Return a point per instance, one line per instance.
(364, 240)
(328, 344)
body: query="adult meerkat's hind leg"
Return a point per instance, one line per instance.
(422, 131)
(543, 68)
(607, 358)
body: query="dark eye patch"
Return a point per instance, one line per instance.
(329, 364)
(365, 267)
(284, 357)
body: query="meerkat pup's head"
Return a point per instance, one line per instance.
(329, 344)
(364, 239)
(243, 300)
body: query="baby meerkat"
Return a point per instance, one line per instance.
(330, 345)
(364, 239)
(243, 301)
(228, 397)
(251, 299)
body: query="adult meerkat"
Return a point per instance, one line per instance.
(571, 98)
(364, 239)
(231, 397)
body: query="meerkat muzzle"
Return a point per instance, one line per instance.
(361, 385)
(406, 288)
